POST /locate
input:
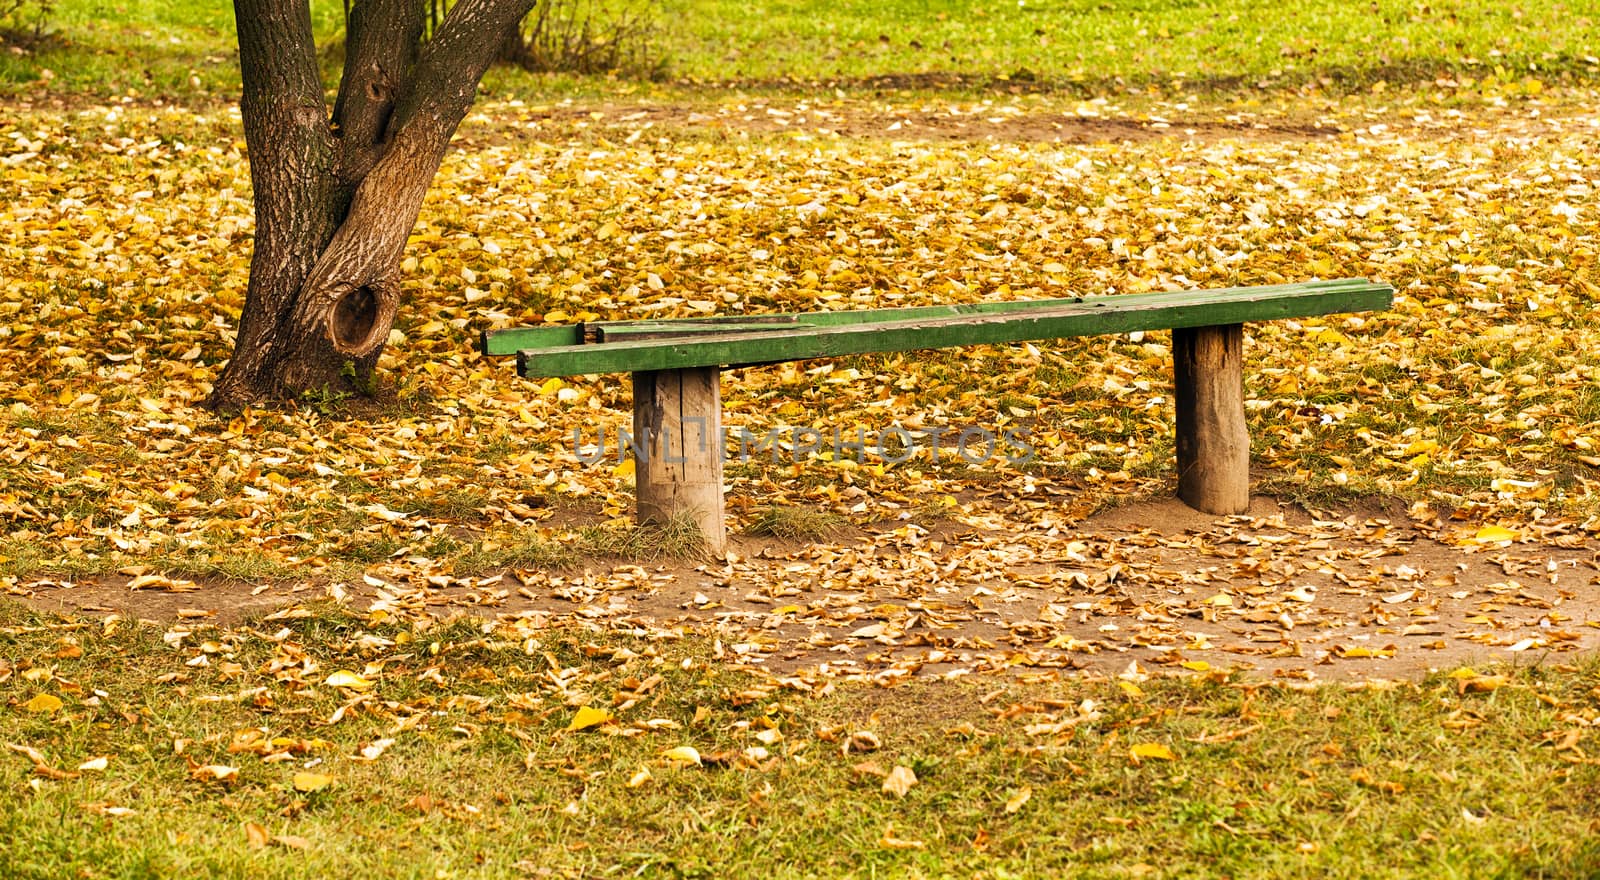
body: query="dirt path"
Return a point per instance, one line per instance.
(929, 122)
(1145, 588)
(937, 120)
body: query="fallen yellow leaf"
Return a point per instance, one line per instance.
(1350, 652)
(683, 755)
(1018, 798)
(347, 679)
(307, 782)
(1480, 684)
(215, 773)
(588, 717)
(1495, 535)
(43, 704)
(1153, 750)
(890, 841)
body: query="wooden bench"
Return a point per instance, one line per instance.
(676, 363)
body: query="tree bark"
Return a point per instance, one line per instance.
(336, 197)
(513, 48)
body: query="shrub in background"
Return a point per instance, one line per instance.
(25, 22)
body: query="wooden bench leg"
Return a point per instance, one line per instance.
(677, 422)
(1213, 442)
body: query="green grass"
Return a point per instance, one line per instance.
(520, 548)
(1131, 43)
(483, 778)
(795, 523)
(676, 538)
(180, 49)
(167, 48)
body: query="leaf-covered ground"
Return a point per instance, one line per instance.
(1473, 402)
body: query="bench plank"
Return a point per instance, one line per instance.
(675, 329)
(1050, 319)
(510, 340)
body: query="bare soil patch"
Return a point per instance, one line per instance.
(1149, 587)
(937, 122)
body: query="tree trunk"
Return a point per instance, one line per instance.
(513, 48)
(336, 197)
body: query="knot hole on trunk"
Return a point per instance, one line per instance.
(360, 322)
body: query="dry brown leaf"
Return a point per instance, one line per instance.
(899, 781)
(256, 836)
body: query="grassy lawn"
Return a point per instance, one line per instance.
(177, 48)
(1102, 45)
(331, 745)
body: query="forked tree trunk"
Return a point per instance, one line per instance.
(336, 197)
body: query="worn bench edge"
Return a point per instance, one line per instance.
(510, 340)
(1092, 316)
